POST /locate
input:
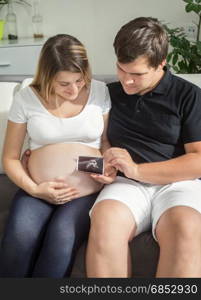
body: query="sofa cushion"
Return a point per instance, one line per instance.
(26, 82)
(7, 89)
(8, 190)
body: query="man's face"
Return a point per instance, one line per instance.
(138, 77)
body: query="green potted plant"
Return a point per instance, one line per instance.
(185, 55)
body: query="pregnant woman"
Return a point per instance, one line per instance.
(64, 112)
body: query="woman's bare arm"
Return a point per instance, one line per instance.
(14, 139)
(13, 143)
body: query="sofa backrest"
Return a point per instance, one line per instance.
(194, 78)
(7, 90)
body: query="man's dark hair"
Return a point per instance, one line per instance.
(142, 37)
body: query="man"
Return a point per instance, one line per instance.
(155, 134)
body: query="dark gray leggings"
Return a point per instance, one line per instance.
(41, 239)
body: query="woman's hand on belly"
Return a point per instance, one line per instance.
(55, 192)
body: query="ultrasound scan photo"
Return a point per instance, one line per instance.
(90, 164)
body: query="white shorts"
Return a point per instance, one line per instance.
(148, 202)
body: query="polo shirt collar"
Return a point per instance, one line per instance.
(164, 83)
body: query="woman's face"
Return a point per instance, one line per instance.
(68, 85)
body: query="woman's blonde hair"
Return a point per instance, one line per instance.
(61, 52)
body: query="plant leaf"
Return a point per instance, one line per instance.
(199, 48)
(175, 59)
(175, 69)
(193, 7)
(188, 7)
(169, 56)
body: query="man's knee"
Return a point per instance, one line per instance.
(179, 223)
(111, 221)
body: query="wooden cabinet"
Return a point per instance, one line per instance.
(19, 57)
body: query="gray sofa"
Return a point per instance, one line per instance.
(144, 250)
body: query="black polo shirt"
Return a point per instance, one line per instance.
(155, 126)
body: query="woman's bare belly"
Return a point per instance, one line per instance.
(59, 161)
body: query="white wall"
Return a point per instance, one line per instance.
(95, 22)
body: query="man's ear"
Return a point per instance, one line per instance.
(162, 65)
